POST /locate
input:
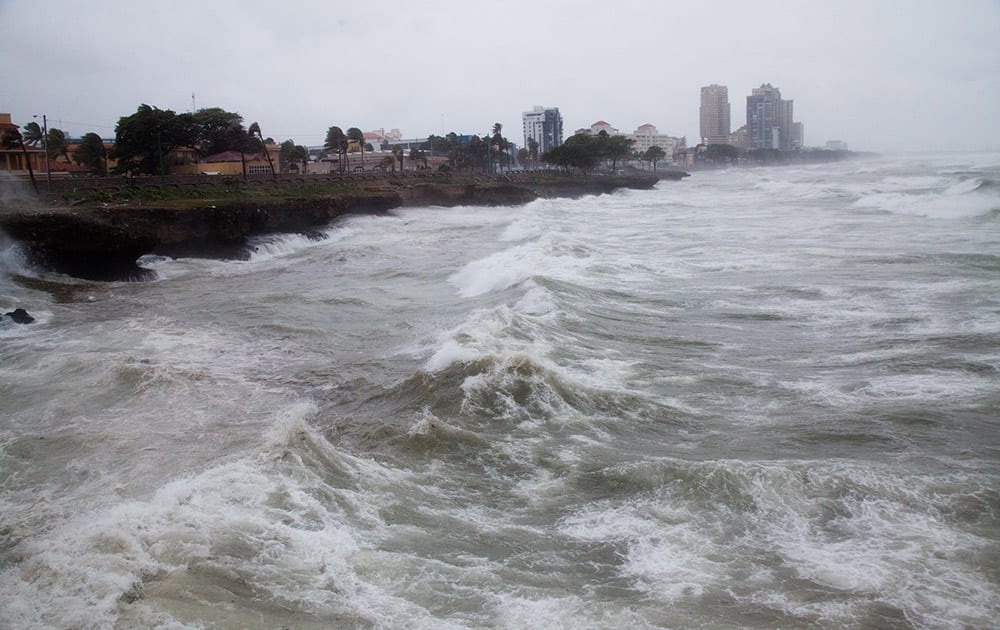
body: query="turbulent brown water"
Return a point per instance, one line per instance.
(755, 398)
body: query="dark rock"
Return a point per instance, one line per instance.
(20, 316)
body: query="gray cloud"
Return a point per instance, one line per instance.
(880, 75)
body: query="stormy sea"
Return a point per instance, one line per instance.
(754, 398)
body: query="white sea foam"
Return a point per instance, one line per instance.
(959, 201)
(270, 522)
(273, 246)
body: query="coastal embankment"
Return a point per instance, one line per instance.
(99, 233)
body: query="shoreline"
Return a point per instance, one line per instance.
(102, 240)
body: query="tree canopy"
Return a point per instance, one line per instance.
(217, 130)
(585, 152)
(654, 154)
(721, 152)
(336, 142)
(91, 154)
(291, 155)
(141, 139)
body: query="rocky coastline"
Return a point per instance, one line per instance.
(103, 240)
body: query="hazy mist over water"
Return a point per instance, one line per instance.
(754, 398)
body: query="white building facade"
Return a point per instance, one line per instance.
(544, 125)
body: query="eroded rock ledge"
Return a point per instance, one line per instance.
(103, 242)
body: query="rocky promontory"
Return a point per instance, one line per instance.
(102, 236)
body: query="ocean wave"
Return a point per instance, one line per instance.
(271, 246)
(970, 197)
(278, 533)
(835, 526)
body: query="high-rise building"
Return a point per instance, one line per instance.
(714, 114)
(544, 125)
(770, 122)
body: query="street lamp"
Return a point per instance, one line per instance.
(45, 146)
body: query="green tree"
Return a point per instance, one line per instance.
(654, 154)
(91, 154)
(336, 142)
(290, 155)
(237, 139)
(722, 153)
(356, 136)
(215, 131)
(12, 139)
(500, 145)
(608, 147)
(142, 138)
(582, 152)
(533, 151)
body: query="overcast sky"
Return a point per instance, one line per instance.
(887, 75)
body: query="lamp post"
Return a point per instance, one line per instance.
(45, 147)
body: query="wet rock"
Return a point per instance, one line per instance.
(20, 316)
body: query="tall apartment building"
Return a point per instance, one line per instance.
(545, 126)
(714, 114)
(770, 122)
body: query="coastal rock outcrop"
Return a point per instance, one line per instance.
(103, 242)
(20, 316)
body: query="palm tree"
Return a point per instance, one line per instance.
(336, 141)
(356, 135)
(533, 151)
(32, 134)
(236, 138)
(254, 132)
(57, 144)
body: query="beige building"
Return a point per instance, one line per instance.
(13, 159)
(600, 126)
(714, 114)
(228, 163)
(647, 136)
(739, 138)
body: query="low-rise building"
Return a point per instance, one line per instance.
(13, 158)
(647, 136)
(230, 163)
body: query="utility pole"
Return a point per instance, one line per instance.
(45, 147)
